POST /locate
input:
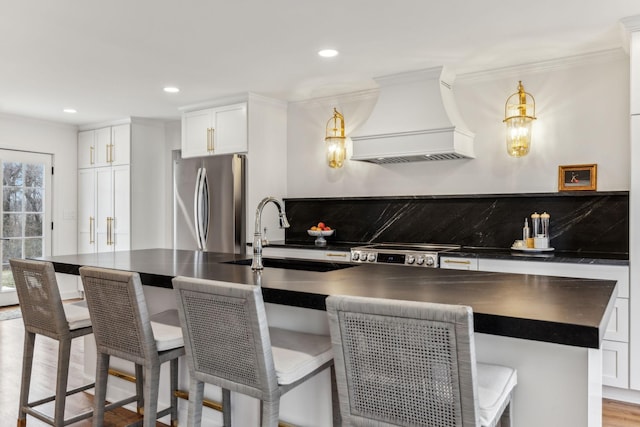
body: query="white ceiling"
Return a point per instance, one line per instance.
(111, 59)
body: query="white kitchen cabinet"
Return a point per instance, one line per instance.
(311, 254)
(615, 346)
(618, 326)
(86, 211)
(112, 208)
(456, 263)
(119, 202)
(107, 146)
(615, 364)
(86, 149)
(119, 152)
(213, 131)
(104, 205)
(93, 146)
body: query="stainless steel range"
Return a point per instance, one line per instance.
(412, 255)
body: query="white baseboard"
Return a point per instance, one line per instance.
(623, 395)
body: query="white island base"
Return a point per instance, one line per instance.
(558, 385)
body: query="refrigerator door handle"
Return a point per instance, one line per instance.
(204, 218)
(197, 202)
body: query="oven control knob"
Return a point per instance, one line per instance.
(411, 259)
(420, 260)
(429, 261)
(355, 256)
(371, 257)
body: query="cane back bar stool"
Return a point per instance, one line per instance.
(123, 328)
(43, 313)
(413, 363)
(229, 344)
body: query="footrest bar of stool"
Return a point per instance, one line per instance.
(120, 403)
(79, 417)
(49, 420)
(212, 404)
(39, 415)
(122, 375)
(52, 398)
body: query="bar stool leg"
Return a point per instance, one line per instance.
(173, 364)
(226, 407)
(196, 391)
(151, 382)
(102, 374)
(140, 389)
(270, 413)
(335, 403)
(64, 353)
(27, 365)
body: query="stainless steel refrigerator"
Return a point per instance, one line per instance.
(208, 203)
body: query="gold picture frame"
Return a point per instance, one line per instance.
(577, 178)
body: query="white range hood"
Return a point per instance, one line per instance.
(414, 119)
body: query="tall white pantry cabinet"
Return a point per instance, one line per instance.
(119, 200)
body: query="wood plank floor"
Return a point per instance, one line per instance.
(614, 413)
(43, 379)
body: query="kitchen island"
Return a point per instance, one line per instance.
(549, 328)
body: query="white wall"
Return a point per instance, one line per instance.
(582, 105)
(173, 138)
(20, 133)
(266, 163)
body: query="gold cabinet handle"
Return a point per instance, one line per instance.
(91, 234)
(91, 161)
(109, 231)
(451, 261)
(110, 153)
(213, 148)
(210, 139)
(337, 255)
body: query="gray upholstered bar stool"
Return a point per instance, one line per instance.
(229, 344)
(414, 363)
(43, 313)
(123, 328)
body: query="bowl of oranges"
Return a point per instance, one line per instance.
(319, 231)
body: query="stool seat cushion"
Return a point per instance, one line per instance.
(167, 330)
(296, 354)
(77, 315)
(495, 383)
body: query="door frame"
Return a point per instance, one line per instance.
(7, 296)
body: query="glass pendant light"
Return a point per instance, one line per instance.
(519, 121)
(334, 140)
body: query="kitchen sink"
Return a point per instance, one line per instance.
(295, 264)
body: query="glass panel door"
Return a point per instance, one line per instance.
(25, 229)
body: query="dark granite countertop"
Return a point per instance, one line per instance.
(555, 256)
(489, 253)
(550, 309)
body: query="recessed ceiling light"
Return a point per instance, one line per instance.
(171, 89)
(328, 53)
(70, 110)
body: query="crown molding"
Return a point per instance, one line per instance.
(361, 95)
(590, 58)
(31, 119)
(631, 23)
(92, 126)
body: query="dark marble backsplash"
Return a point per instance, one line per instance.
(584, 222)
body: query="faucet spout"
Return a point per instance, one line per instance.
(256, 263)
